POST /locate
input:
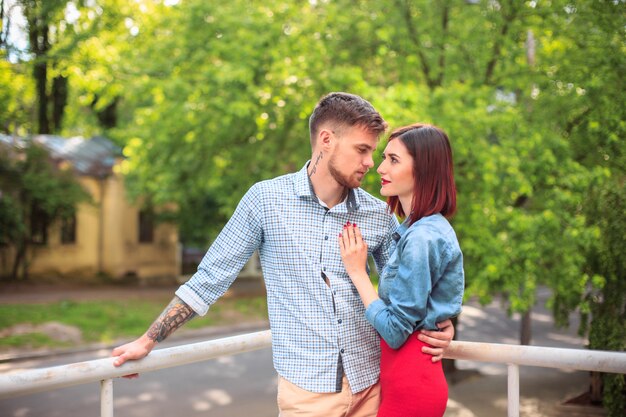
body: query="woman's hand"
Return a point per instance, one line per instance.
(353, 251)
(354, 254)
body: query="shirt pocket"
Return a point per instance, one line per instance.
(390, 272)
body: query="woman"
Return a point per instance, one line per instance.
(422, 283)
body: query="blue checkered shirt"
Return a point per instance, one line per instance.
(319, 332)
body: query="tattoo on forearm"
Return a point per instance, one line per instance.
(174, 316)
(317, 161)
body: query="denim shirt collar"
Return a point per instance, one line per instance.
(401, 230)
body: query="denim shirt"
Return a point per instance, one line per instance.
(423, 282)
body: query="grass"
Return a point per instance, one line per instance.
(107, 321)
(33, 340)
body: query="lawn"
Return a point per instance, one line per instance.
(107, 321)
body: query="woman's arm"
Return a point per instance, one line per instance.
(408, 295)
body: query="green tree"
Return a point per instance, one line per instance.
(604, 301)
(32, 190)
(223, 100)
(585, 83)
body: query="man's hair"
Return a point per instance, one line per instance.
(341, 110)
(434, 190)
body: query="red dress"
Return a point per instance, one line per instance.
(410, 383)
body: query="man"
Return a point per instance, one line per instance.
(325, 352)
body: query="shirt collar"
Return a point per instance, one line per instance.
(304, 188)
(401, 230)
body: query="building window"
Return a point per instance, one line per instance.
(146, 226)
(38, 226)
(68, 230)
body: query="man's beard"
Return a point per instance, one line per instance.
(339, 177)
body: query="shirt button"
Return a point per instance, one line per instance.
(335, 292)
(325, 237)
(342, 351)
(339, 321)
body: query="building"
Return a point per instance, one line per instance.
(109, 236)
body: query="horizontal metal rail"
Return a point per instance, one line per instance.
(544, 357)
(45, 379)
(515, 356)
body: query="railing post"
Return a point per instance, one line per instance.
(106, 398)
(513, 390)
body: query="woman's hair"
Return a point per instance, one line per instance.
(345, 110)
(433, 175)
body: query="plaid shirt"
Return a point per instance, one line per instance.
(318, 331)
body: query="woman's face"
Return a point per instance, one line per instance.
(396, 171)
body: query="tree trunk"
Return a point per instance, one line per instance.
(595, 387)
(39, 46)
(19, 262)
(40, 73)
(525, 328)
(59, 100)
(4, 32)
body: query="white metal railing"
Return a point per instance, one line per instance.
(45, 379)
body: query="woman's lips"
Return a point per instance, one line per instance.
(384, 182)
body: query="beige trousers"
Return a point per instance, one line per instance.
(293, 401)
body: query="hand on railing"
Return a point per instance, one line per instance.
(135, 350)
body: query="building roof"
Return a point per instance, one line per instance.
(93, 157)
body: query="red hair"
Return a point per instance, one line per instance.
(434, 190)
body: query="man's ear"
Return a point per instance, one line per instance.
(325, 139)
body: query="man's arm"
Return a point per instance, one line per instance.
(439, 340)
(174, 316)
(239, 238)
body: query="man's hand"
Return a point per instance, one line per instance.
(438, 340)
(133, 350)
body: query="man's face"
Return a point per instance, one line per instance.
(352, 156)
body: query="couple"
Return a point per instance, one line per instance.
(314, 230)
